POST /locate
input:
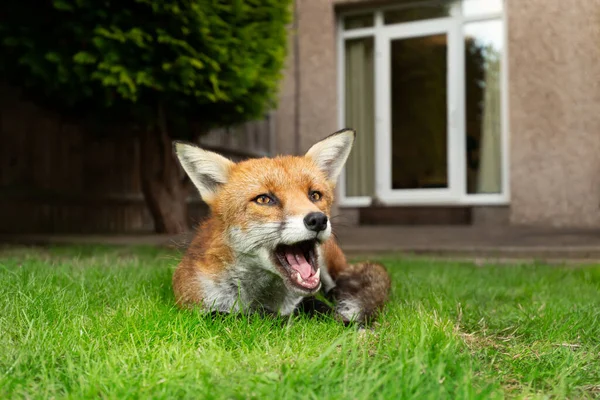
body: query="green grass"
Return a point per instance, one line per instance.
(89, 322)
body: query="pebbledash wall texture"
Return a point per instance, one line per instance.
(554, 102)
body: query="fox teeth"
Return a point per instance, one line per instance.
(318, 273)
(297, 277)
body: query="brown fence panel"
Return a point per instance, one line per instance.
(56, 178)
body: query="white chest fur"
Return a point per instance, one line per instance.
(248, 286)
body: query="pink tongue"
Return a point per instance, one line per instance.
(298, 262)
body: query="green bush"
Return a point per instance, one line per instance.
(217, 62)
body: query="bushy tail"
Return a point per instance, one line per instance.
(360, 291)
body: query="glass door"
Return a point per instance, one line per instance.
(418, 147)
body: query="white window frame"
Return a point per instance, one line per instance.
(456, 193)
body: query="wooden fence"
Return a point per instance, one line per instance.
(55, 178)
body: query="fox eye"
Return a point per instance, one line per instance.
(264, 199)
(315, 195)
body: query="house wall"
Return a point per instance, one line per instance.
(554, 100)
(307, 108)
(554, 103)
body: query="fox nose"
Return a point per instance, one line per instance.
(315, 221)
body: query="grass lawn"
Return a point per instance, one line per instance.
(83, 322)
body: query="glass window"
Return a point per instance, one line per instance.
(358, 21)
(419, 119)
(483, 54)
(416, 12)
(360, 115)
(478, 7)
(418, 98)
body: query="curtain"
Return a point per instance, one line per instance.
(490, 171)
(360, 115)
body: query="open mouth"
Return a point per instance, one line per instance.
(299, 261)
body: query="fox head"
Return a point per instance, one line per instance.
(274, 211)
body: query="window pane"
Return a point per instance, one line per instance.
(419, 112)
(360, 115)
(478, 7)
(417, 12)
(358, 21)
(483, 51)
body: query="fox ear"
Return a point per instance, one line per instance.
(331, 153)
(206, 169)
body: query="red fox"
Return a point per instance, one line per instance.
(267, 244)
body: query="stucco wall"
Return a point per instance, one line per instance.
(554, 48)
(285, 115)
(308, 105)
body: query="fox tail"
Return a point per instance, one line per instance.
(360, 291)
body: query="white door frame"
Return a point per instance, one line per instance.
(456, 109)
(383, 94)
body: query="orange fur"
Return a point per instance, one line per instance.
(334, 258)
(288, 177)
